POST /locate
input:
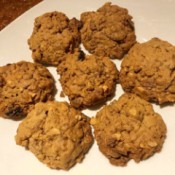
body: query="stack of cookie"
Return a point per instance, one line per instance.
(58, 133)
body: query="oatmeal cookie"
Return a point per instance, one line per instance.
(148, 70)
(108, 32)
(128, 129)
(57, 134)
(87, 79)
(54, 35)
(22, 85)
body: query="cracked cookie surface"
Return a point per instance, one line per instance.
(108, 32)
(148, 70)
(87, 79)
(128, 128)
(22, 85)
(56, 133)
(54, 35)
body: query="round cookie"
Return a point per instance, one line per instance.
(108, 32)
(87, 80)
(54, 35)
(128, 129)
(148, 70)
(22, 85)
(56, 133)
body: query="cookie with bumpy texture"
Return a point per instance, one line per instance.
(128, 128)
(109, 31)
(57, 134)
(87, 79)
(54, 35)
(23, 84)
(148, 70)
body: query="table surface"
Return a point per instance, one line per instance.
(11, 9)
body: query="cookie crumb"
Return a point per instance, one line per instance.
(62, 94)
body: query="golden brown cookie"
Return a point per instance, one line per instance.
(54, 35)
(56, 133)
(109, 31)
(22, 85)
(128, 129)
(87, 79)
(148, 70)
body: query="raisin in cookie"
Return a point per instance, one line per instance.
(149, 71)
(54, 35)
(56, 133)
(87, 80)
(22, 85)
(108, 32)
(128, 129)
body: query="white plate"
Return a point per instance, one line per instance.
(151, 18)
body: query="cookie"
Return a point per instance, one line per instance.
(54, 35)
(128, 129)
(87, 79)
(57, 134)
(148, 70)
(23, 84)
(109, 31)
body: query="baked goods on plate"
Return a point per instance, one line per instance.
(128, 128)
(54, 35)
(57, 134)
(148, 70)
(109, 31)
(22, 85)
(87, 79)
